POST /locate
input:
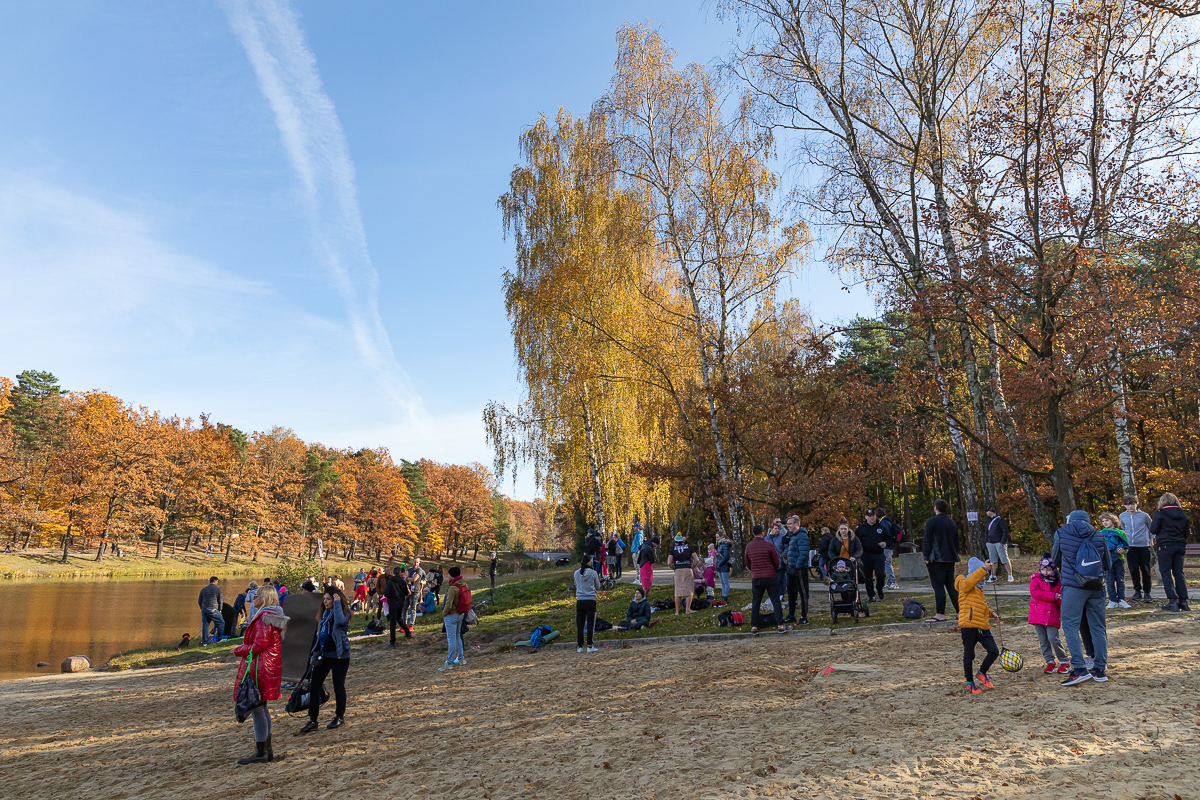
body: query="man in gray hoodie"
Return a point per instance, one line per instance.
(1136, 524)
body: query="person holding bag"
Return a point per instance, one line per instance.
(261, 652)
(330, 654)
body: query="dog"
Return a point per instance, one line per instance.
(185, 642)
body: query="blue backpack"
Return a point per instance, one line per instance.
(1089, 567)
(535, 638)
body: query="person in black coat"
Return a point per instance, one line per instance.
(1169, 530)
(940, 547)
(398, 595)
(637, 616)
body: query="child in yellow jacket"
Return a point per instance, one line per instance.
(974, 620)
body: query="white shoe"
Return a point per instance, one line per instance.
(446, 667)
(1089, 662)
(459, 662)
(1123, 604)
(1111, 604)
(578, 649)
(593, 650)
(1010, 578)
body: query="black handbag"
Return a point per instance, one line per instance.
(248, 697)
(301, 696)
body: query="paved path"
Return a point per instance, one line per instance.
(1018, 588)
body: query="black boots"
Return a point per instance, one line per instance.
(335, 724)
(261, 756)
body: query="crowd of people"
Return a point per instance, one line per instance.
(1078, 580)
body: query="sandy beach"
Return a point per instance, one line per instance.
(744, 718)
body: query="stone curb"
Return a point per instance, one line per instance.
(900, 627)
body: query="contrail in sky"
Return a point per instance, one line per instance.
(316, 145)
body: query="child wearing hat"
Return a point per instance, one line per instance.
(974, 621)
(1045, 614)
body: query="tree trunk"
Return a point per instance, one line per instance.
(158, 544)
(228, 547)
(593, 465)
(1060, 457)
(1121, 424)
(67, 537)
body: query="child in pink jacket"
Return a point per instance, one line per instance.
(1045, 614)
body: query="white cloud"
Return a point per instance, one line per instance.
(316, 145)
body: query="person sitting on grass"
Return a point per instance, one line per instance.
(637, 616)
(974, 620)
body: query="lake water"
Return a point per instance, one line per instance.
(50, 620)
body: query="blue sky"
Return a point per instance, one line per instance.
(286, 214)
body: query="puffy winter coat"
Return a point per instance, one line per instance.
(797, 552)
(264, 639)
(973, 611)
(1045, 608)
(835, 548)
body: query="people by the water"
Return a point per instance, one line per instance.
(211, 600)
(330, 655)
(261, 652)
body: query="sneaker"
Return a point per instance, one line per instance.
(804, 620)
(1111, 604)
(1089, 662)
(459, 662)
(785, 629)
(446, 667)
(593, 650)
(992, 579)
(789, 618)
(578, 649)
(1064, 668)
(1099, 676)
(1010, 578)
(1050, 669)
(1137, 597)
(985, 680)
(974, 689)
(1077, 677)
(1123, 604)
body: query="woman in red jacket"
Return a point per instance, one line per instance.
(263, 643)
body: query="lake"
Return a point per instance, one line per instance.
(50, 620)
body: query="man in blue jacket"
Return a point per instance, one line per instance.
(636, 543)
(1077, 601)
(797, 570)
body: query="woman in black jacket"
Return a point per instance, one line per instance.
(1170, 529)
(637, 616)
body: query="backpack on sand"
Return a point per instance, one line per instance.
(913, 609)
(1089, 567)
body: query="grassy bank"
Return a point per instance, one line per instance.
(37, 564)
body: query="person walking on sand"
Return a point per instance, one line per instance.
(262, 647)
(211, 600)
(646, 558)
(398, 596)
(975, 623)
(681, 559)
(997, 543)
(940, 548)
(331, 655)
(1078, 550)
(1045, 614)
(1169, 530)
(457, 603)
(762, 559)
(1136, 524)
(587, 588)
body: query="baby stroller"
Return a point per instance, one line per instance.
(843, 589)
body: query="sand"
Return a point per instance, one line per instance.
(742, 719)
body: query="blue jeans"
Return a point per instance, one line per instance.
(207, 615)
(1075, 604)
(454, 648)
(1116, 580)
(724, 576)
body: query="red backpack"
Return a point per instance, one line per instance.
(464, 596)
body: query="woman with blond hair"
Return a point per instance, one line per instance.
(1169, 531)
(261, 652)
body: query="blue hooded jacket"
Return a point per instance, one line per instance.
(798, 547)
(1067, 540)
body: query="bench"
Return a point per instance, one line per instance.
(1191, 550)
